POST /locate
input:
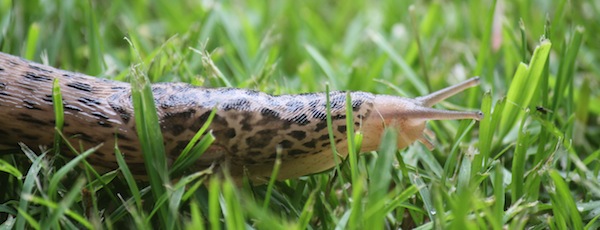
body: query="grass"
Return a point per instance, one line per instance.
(532, 162)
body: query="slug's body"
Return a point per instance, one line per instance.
(249, 126)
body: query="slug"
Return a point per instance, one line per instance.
(249, 126)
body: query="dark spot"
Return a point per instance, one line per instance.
(137, 168)
(337, 102)
(293, 106)
(48, 98)
(80, 86)
(295, 152)
(4, 94)
(202, 118)
(16, 131)
(1, 69)
(158, 90)
(39, 69)
(261, 139)
(341, 129)
(72, 107)
(356, 123)
(117, 87)
(29, 119)
(325, 144)
(319, 115)
(36, 77)
(236, 104)
(106, 164)
(298, 135)
(217, 121)
(178, 117)
(246, 126)
(225, 90)
(88, 101)
(250, 161)
(128, 148)
(323, 137)
(321, 125)
(317, 103)
(251, 93)
(228, 133)
(122, 137)
(178, 148)
(255, 153)
(100, 115)
(233, 149)
(30, 137)
(338, 117)
(125, 116)
(100, 154)
(269, 113)
(175, 129)
(356, 105)
(31, 104)
(2, 85)
(301, 119)
(311, 144)
(273, 122)
(67, 75)
(83, 137)
(104, 124)
(286, 144)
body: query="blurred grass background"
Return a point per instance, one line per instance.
(532, 162)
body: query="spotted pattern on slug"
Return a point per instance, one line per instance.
(249, 126)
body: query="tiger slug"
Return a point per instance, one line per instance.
(248, 126)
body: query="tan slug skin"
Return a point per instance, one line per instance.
(249, 125)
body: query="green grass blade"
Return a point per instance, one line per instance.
(30, 220)
(63, 207)
(214, 212)
(33, 36)
(524, 86)
(59, 115)
(271, 184)
(353, 147)
(96, 64)
(28, 186)
(381, 178)
(397, 58)
(10, 169)
(197, 220)
(133, 188)
(55, 181)
(564, 201)
(518, 164)
(150, 135)
(189, 157)
(567, 66)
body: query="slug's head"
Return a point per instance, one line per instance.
(408, 116)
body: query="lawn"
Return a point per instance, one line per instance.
(532, 162)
